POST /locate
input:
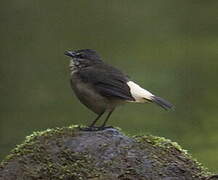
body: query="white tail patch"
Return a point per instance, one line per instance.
(138, 93)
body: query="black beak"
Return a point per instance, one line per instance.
(70, 53)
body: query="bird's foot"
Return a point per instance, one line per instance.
(90, 128)
(95, 128)
(104, 127)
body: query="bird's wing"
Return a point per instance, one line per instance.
(109, 82)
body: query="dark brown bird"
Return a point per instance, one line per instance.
(101, 87)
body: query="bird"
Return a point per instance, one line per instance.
(102, 87)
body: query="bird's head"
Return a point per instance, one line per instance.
(84, 57)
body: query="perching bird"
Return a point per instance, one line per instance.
(101, 87)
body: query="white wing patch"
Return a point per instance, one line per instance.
(138, 93)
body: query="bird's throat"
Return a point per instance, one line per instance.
(73, 66)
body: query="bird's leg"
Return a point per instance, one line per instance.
(96, 119)
(106, 119)
(92, 127)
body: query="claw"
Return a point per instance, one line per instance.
(105, 127)
(94, 128)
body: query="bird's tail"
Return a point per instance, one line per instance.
(162, 102)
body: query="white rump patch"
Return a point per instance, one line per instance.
(138, 93)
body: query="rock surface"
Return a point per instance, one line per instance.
(72, 154)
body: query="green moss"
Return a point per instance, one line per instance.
(167, 145)
(74, 165)
(161, 142)
(31, 142)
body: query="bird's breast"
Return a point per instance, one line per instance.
(89, 96)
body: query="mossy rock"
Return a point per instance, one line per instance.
(72, 154)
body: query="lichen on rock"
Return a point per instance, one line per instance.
(71, 154)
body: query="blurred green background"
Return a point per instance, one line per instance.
(169, 47)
